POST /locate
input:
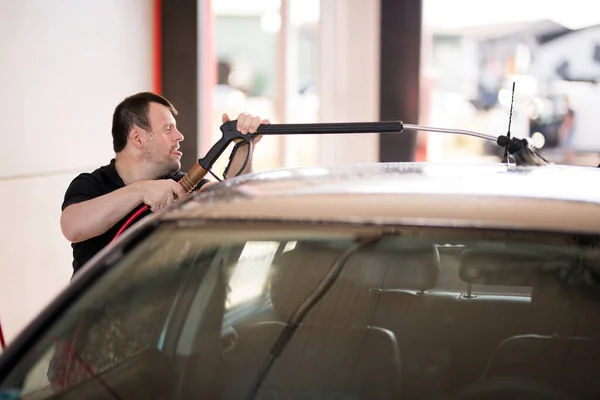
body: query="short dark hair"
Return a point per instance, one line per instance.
(133, 111)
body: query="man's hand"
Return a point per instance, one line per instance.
(160, 193)
(247, 123)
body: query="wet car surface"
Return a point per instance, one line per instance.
(411, 281)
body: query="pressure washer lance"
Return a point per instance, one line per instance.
(521, 151)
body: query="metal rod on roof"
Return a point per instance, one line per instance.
(454, 131)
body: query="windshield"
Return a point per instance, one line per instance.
(236, 311)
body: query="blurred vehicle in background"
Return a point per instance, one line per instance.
(540, 114)
(549, 110)
(546, 118)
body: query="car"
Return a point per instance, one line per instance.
(378, 281)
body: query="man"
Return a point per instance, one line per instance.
(145, 170)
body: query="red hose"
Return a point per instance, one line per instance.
(73, 357)
(71, 354)
(129, 221)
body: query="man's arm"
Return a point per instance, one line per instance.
(90, 218)
(207, 185)
(240, 153)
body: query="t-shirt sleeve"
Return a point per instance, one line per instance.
(84, 187)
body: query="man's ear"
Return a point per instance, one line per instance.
(135, 137)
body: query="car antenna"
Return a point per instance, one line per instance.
(506, 156)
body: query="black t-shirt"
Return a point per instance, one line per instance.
(87, 186)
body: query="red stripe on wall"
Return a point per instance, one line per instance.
(157, 47)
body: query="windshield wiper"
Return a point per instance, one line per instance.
(304, 307)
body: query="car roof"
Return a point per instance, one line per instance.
(553, 197)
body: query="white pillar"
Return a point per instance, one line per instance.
(287, 80)
(349, 77)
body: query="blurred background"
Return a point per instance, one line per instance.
(444, 63)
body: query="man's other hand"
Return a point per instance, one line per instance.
(160, 193)
(247, 123)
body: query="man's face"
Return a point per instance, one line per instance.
(162, 146)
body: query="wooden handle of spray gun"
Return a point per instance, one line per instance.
(192, 178)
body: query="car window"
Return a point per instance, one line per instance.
(342, 311)
(250, 272)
